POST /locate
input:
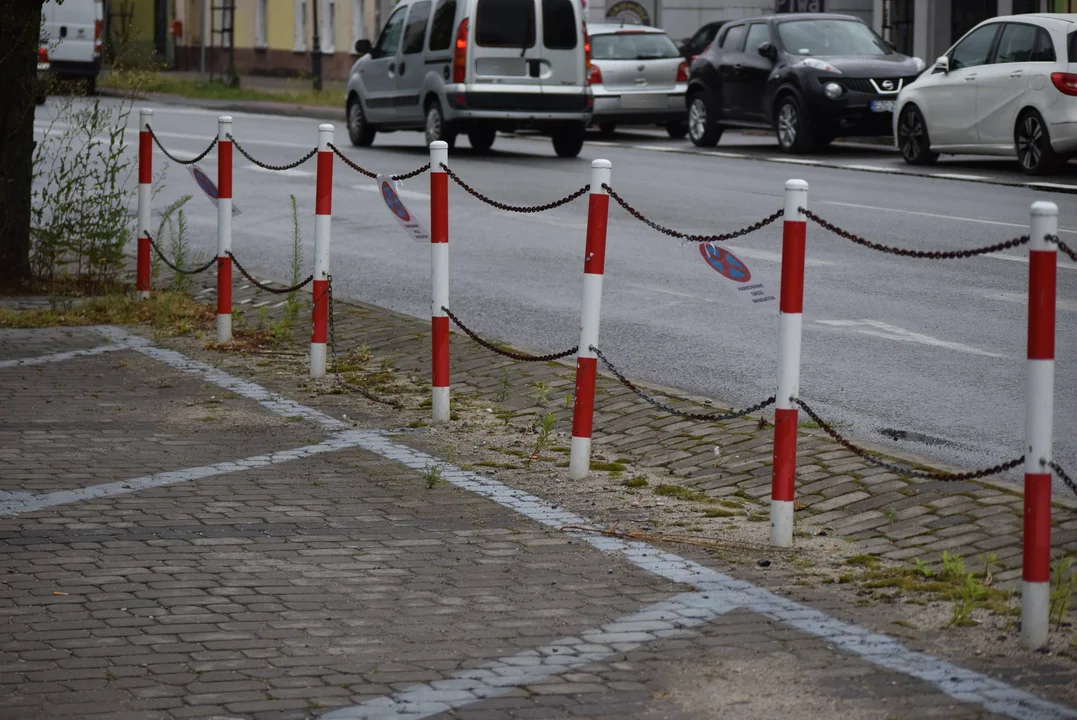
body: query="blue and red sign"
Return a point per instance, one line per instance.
(725, 263)
(394, 202)
(204, 182)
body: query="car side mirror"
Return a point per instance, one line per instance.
(768, 51)
(362, 47)
(942, 65)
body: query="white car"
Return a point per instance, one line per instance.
(1008, 87)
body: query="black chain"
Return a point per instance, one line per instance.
(922, 254)
(363, 171)
(176, 268)
(1063, 247)
(263, 165)
(901, 469)
(522, 357)
(687, 236)
(1063, 476)
(332, 322)
(268, 289)
(514, 208)
(699, 417)
(175, 159)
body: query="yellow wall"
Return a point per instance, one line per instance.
(279, 21)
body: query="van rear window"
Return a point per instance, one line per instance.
(558, 24)
(505, 23)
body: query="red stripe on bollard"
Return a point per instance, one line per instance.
(594, 261)
(584, 410)
(1036, 566)
(439, 327)
(323, 204)
(785, 455)
(224, 285)
(1041, 287)
(224, 169)
(794, 234)
(145, 158)
(144, 270)
(320, 312)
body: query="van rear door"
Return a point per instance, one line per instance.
(71, 30)
(563, 56)
(507, 55)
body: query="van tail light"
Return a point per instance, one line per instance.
(1066, 83)
(587, 52)
(42, 57)
(98, 28)
(682, 72)
(594, 76)
(459, 53)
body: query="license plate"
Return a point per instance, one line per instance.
(642, 101)
(882, 106)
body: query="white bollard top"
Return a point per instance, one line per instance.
(796, 184)
(601, 164)
(144, 116)
(1042, 208)
(326, 127)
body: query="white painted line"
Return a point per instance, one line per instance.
(291, 172)
(958, 176)
(877, 328)
(871, 168)
(730, 155)
(940, 216)
(796, 161)
(20, 502)
(59, 357)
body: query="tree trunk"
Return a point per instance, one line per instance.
(20, 35)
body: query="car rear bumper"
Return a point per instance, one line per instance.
(519, 106)
(626, 108)
(1064, 136)
(68, 68)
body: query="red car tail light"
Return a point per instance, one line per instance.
(459, 53)
(1066, 83)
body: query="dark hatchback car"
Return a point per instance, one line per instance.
(695, 45)
(810, 77)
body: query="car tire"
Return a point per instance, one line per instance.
(791, 126)
(436, 128)
(607, 129)
(568, 140)
(912, 137)
(703, 127)
(1033, 143)
(677, 130)
(359, 130)
(482, 137)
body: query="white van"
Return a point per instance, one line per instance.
(475, 67)
(72, 34)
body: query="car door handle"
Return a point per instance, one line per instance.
(1016, 74)
(403, 66)
(392, 68)
(970, 78)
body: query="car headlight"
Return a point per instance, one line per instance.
(817, 64)
(832, 90)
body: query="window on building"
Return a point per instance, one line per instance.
(261, 29)
(358, 21)
(974, 49)
(329, 23)
(416, 29)
(300, 26)
(505, 23)
(441, 31)
(558, 24)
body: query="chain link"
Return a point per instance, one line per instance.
(522, 357)
(175, 159)
(699, 417)
(901, 469)
(176, 268)
(514, 208)
(263, 165)
(1063, 476)
(373, 175)
(332, 321)
(905, 252)
(268, 289)
(1063, 247)
(687, 236)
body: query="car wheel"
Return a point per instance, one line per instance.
(607, 129)
(912, 138)
(1033, 141)
(703, 128)
(436, 128)
(359, 130)
(791, 126)
(677, 130)
(568, 140)
(482, 137)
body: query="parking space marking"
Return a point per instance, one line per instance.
(290, 172)
(60, 357)
(878, 328)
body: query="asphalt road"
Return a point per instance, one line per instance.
(934, 349)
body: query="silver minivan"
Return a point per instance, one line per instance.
(476, 67)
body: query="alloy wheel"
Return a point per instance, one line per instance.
(433, 124)
(1030, 138)
(697, 118)
(788, 125)
(912, 135)
(355, 119)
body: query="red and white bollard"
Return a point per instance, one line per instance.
(794, 233)
(1039, 420)
(145, 195)
(224, 229)
(594, 261)
(439, 271)
(323, 215)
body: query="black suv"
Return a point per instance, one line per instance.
(810, 77)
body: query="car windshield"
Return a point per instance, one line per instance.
(830, 37)
(633, 46)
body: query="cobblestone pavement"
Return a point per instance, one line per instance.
(337, 585)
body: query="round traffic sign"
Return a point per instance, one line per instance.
(725, 263)
(205, 183)
(394, 202)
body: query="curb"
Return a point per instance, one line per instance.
(254, 107)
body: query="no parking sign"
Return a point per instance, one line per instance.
(388, 191)
(208, 187)
(737, 275)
